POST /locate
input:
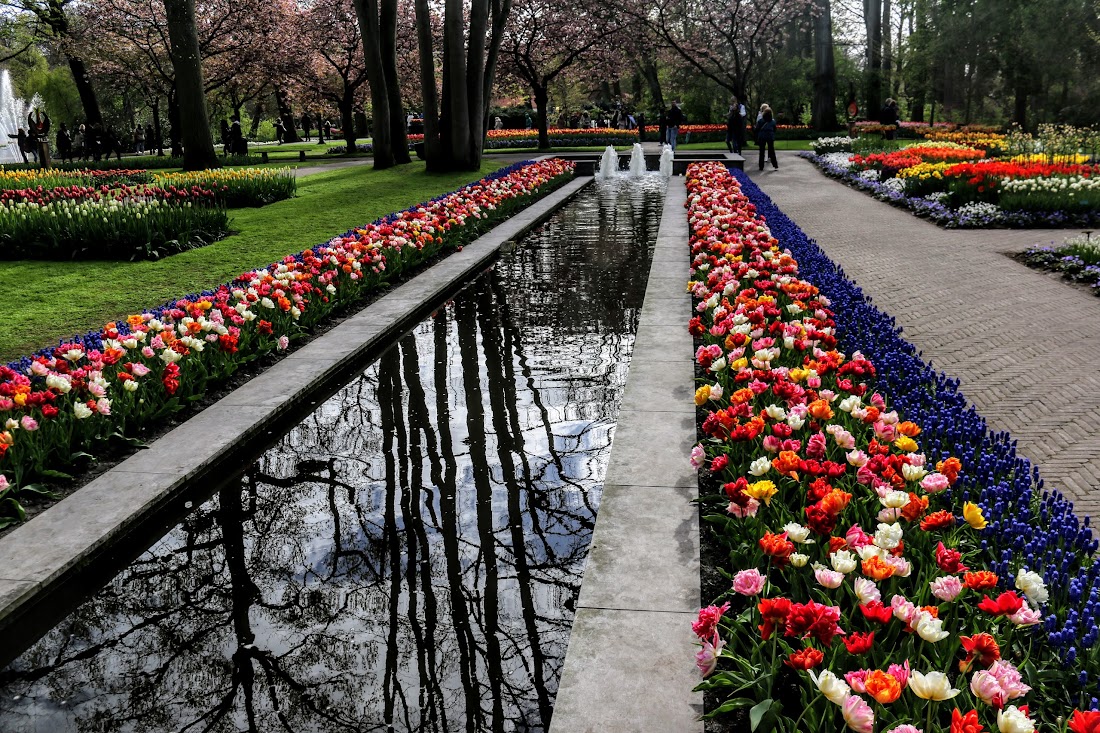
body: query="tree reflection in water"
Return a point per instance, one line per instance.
(409, 556)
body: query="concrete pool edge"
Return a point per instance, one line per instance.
(43, 554)
(629, 667)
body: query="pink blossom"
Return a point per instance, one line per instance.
(748, 510)
(148, 352)
(865, 475)
(3, 482)
(866, 590)
(934, 483)
(283, 343)
(857, 538)
(698, 457)
(946, 588)
(905, 728)
(885, 433)
(904, 610)
(772, 443)
(28, 423)
(828, 578)
(858, 714)
(1009, 679)
(707, 623)
(1026, 616)
(139, 370)
(844, 439)
(706, 659)
(748, 582)
(987, 689)
(857, 680)
(103, 406)
(878, 401)
(900, 672)
(815, 446)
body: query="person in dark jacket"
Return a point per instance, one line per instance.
(662, 126)
(673, 120)
(307, 125)
(889, 116)
(64, 143)
(765, 137)
(21, 141)
(640, 121)
(735, 126)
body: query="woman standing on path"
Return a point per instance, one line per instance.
(765, 136)
(735, 126)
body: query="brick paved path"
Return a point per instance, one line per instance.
(1025, 345)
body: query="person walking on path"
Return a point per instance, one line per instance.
(674, 119)
(889, 117)
(735, 126)
(640, 120)
(139, 139)
(306, 122)
(64, 144)
(21, 141)
(765, 137)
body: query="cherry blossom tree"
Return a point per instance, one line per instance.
(544, 38)
(333, 70)
(720, 39)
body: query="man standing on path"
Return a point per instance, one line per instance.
(674, 120)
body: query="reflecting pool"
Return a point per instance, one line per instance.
(408, 557)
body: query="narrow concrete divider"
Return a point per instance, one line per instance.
(50, 550)
(629, 667)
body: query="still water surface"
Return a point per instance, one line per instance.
(409, 556)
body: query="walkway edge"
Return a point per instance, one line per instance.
(51, 549)
(629, 665)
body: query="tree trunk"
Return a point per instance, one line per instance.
(257, 117)
(198, 144)
(399, 140)
(428, 92)
(649, 73)
(174, 127)
(918, 60)
(290, 125)
(872, 19)
(823, 113)
(157, 142)
(887, 49)
(347, 118)
(1019, 113)
(84, 88)
(370, 30)
(542, 99)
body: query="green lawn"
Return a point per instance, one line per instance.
(41, 302)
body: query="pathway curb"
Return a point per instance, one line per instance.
(48, 552)
(629, 664)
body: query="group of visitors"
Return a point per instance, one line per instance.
(233, 139)
(308, 124)
(80, 142)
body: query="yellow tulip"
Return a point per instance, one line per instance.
(973, 515)
(762, 491)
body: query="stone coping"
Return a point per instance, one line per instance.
(48, 553)
(629, 667)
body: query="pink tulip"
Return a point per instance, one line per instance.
(748, 582)
(857, 680)
(934, 483)
(706, 659)
(858, 714)
(946, 588)
(28, 423)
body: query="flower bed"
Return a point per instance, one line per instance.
(971, 194)
(127, 223)
(1077, 260)
(62, 403)
(894, 564)
(238, 187)
(46, 178)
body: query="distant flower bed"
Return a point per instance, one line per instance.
(129, 162)
(891, 564)
(46, 178)
(140, 222)
(957, 186)
(238, 187)
(1077, 259)
(62, 403)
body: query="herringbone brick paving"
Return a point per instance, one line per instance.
(1024, 344)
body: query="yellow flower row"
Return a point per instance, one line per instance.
(924, 171)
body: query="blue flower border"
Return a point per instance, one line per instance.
(1026, 522)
